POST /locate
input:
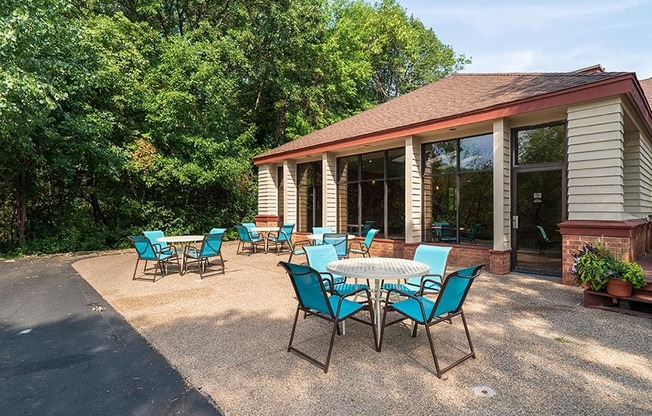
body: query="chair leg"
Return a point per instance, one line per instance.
(330, 347)
(294, 328)
(136, 269)
(222, 261)
(432, 350)
(382, 328)
(468, 335)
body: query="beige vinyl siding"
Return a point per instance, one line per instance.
(638, 176)
(502, 185)
(595, 161)
(267, 191)
(412, 190)
(290, 201)
(329, 191)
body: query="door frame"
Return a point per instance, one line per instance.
(539, 167)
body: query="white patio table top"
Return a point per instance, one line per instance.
(378, 269)
(186, 240)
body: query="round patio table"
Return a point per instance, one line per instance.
(378, 269)
(186, 240)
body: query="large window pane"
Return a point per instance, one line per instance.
(458, 191)
(373, 166)
(380, 179)
(476, 153)
(373, 203)
(396, 163)
(395, 209)
(540, 145)
(441, 157)
(347, 168)
(309, 202)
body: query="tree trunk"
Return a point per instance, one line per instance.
(21, 206)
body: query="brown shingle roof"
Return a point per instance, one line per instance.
(646, 84)
(454, 95)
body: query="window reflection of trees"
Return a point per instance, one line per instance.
(540, 145)
(459, 170)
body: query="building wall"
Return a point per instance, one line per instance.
(329, 190)
(413, 189)
(595, 161)
(638, 175)
(290, 198)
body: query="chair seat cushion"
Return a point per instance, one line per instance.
(410, 308)
(358, 251)
(346, 288)
(347, 309)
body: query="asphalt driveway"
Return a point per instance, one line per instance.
(65, 351)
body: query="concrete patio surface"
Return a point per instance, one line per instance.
(537, 347)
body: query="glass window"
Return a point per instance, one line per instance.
(309, 201)
(373, 166)
(458, 191)
(540, 145)
(374, 194)
(347, 168)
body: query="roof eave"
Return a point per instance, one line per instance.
(624, 84)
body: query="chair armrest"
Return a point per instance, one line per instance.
(422, 287)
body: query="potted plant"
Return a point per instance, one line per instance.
(597, 269)
(628, 276)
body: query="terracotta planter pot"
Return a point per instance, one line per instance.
(616, 287)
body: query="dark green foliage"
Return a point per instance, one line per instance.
(123, 116)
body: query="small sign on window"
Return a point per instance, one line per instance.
(537, 197)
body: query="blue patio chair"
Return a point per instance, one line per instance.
(246, 238)
(252, 229)
(339, 241)
(545, 240)
(147, 252)
(321, 230)
(211, 246)
(362, 247)
(318, 257)
(437, 229)
(159, 246)
(281, 238)
(423, 311)
(365, 228)
(436, 257)
(448, 233)
(471, 235)
(314, 300)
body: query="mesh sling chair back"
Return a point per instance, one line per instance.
(365, 228)
(339, 241)
(436, 257)
(147, 251)
(423, 311)
(160, 246)
(318, 258)
(252, 229)
(281, 238)
(321, 230)
(471, 235)
(211, 246)
(244, 234)
(314, 300)
(363, 247)
(545, 240)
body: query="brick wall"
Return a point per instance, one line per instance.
(626, 240)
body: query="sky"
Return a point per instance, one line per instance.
(544, 35)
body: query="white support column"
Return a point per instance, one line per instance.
(329, 190)
(413, 190)
(596, 161)
(502, 185)
(290, 197)
(267, 190)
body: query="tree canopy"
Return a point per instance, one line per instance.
(125, 115)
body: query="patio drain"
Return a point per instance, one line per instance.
(483, 391)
